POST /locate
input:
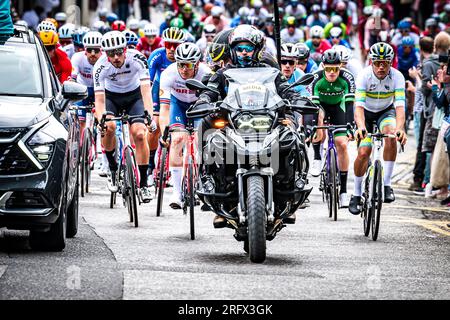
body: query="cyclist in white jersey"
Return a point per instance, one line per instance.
(175, 99)
(82, 65)
(122, 82)
(380, 99)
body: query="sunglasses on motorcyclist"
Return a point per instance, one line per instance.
(185, 65)
(113, 53)
(290, 62)
(171, 45)
(244, 47)
(93, 50)
(331, 68)
(379, 63)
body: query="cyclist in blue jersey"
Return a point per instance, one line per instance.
(158, 61)
(305, 63)
(289, 56)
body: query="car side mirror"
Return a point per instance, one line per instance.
(72, 92)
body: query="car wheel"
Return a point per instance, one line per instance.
(52, 240)
(72, 214)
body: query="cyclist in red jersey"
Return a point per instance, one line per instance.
(60, 61)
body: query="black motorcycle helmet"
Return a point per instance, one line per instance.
(331, 56)
(219, 49)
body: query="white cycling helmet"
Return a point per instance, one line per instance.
(243, 12)
(133, 24)
(46, 26)
(335, 32)
(216, 11)
(316, 31)
(289, 50)
(113, 40)
(210, 29)
(92, 39)
(188, 52)
(143, 23)
(150, 30)
(344, 52)
(61, 16)
(66, 31)
(336, 20)
(257, 4)
(98, 25)
(102, 12)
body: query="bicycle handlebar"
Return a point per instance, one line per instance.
(124, 117)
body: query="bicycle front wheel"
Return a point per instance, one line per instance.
(366, 212)
(131, 186)
(333, 189)
(377, 200)
(191, 197)
(84, 163)
(161, 183)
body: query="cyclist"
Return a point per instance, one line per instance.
(334, 89)
(65, 34)
(289, 56)
(118, 25)
(168, 16)
(380, 98)
(82, 66)
(335, 22)
(132, 39)
(291, 33)
(122, 82)
(191, 21)
(317, 44)
(158, 61)
(336, 38)
(218, 19)
(316, 18)
(60, 60)
(305, 62)
(77, 40)
(296, 9)
(175, 99)
(209, 32)
(241, 17)
(150, 42)
(347, 61)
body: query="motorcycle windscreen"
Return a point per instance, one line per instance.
(252, 88)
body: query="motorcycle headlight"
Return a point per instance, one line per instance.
(248, 122)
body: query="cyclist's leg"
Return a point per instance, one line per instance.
(109, 139)
(154, 136)
(387, 124)
(139, 133)
(177, 120)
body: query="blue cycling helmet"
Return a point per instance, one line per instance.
(77, 37)
(404, 25)
(407, 41)
(111, 18)
(132, 38)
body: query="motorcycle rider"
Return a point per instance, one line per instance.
(246, 44)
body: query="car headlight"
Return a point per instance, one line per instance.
(248, 122)
(42, 145)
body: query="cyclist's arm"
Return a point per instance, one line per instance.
(399, 101)
(144, 77)
(349, 97)
(153, 62)
(360, 101)
(164, 99)
(75, 69)
(99, 89)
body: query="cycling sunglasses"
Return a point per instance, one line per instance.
(171, 45)
(93, 50)
(113, 53)
(331, 68)
(244, 47)
(186, 65)
(302, 62)
(290, 62)
(150, 37)
(379, 63)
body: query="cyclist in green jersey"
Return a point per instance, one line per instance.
(334, 90)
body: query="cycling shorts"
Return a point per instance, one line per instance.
(130, 102)
(178, 110)
(81, 113)
(381, 119)
(334, 115)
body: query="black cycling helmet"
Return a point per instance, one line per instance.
(331, 56)
(219, 49)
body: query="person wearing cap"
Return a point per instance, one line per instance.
(292, 34)
(404, 29)
(60, 61)
(217, 19)
(316, 18)
(431, 28)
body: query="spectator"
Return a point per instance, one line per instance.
(48, 5)
(33, 16)
(6, 25)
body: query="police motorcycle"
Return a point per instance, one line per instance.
(254, 164)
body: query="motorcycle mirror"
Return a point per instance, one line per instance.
(303, 81)
(197, 85)
(199, 111)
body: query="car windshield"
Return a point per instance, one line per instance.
(254, 87)
(19, 71)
